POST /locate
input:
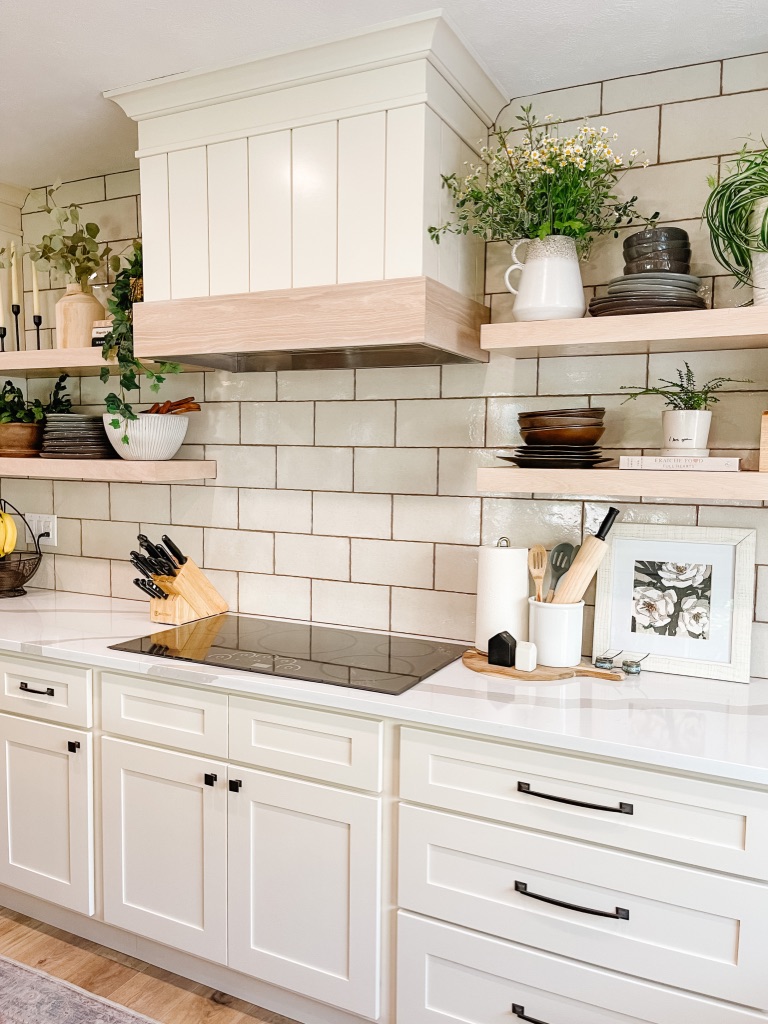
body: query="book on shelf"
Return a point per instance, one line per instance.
(675, 462)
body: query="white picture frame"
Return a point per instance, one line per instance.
(654, 579)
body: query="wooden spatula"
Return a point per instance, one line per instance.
(537, 567)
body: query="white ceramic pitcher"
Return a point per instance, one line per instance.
(550, 284)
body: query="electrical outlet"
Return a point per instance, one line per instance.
(42, 523)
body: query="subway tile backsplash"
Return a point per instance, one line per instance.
(348, 496)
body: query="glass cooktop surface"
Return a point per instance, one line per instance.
(320, 654)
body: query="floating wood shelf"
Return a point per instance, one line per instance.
(694, 331)
(115, 470)
(625, 482)
(50, 362)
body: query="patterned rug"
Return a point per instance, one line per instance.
(28, 996)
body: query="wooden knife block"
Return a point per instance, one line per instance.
(192, 596)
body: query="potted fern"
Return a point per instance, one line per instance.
(736, 213)
(686, 421)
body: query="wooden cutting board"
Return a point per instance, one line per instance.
(479, 663)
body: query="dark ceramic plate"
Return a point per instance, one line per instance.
(584, 411)
(663, 277)
(74, 455)
(555, 463)
(641, 312)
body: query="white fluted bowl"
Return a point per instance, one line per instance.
(154, 437)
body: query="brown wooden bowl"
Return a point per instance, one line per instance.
(593, 413)
(577, 436)
(20, 440)
(562, 421)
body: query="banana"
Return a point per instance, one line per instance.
(2, 535)
(9, 541)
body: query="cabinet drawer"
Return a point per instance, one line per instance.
(174, 716)
(708, 824)
(43, 689)
(675, 925)
(322, 745)
(448, 974)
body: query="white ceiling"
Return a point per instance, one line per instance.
(56, 59)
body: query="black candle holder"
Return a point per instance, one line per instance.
(37, 320)
(16, 310)
(3, 332)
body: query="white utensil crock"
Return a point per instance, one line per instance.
(556, 629)
(550, 285)
(685, 428)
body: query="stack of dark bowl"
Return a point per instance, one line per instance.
(559, 439)
(656, 276)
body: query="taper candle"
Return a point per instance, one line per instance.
(14, 275)
(35, 290)
(2, 300)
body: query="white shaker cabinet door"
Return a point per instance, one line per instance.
(304, 884)
(165, 853)
(46, 812)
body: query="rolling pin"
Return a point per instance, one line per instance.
(573, 585)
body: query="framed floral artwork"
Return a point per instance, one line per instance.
(680, 597)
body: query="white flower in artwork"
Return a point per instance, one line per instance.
(677, 574)
(694, 616)
(652, 607)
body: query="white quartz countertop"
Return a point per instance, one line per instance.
(694, 725)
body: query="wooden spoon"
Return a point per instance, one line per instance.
(537, 567)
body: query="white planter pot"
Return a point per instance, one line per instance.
(685, 428)
(550, 285)
(759, 259)
(154, 437)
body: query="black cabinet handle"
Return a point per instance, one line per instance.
(210, 778)
(73, 746)
(48, 692)
(619, 912)
(525, 787)
(519, 1011)
(235, 785)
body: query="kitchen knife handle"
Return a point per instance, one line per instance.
(141, 567)
(176, 551)
(147, 545)
(171, 563)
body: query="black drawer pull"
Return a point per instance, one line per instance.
(525, 787)
(210, 779)
(73, 746)
(519, 1011)
(235, 785)
(619, 912)
(48, 692)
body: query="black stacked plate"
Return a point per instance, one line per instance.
(659, 292)
(75, 436)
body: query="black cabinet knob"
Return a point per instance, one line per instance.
(210, 779)
(73, 746)
(235, 785)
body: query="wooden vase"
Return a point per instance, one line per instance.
(76, 313)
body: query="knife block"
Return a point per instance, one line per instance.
(192, 596)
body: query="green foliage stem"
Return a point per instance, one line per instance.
(118, 345)
(683, 393)
(734, 233)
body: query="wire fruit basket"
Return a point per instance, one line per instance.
(18, 567)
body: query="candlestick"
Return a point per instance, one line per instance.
(37, 321)
(35, 290)
(3, 332)
(16, 310)
(14, 275)
(2, 300)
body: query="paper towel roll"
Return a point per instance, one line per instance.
(502, 593)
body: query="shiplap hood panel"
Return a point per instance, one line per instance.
(310, 170)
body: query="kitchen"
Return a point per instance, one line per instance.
(325, 852)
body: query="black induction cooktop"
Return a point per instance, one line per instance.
(320, 654)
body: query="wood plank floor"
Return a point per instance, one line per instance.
(149, 990)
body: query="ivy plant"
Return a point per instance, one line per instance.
(118, 344)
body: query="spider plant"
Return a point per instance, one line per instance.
(735, 234)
